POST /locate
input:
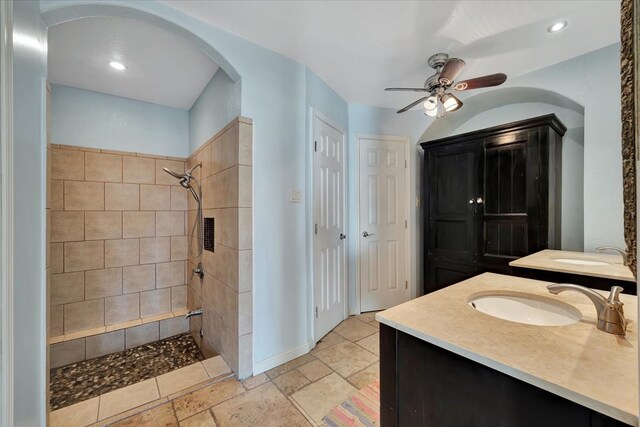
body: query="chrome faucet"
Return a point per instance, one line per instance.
(610, 312)
(622, 252)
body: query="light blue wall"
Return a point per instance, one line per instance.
(217, 105)
(91, 119)
(29, 167)
(365, 120)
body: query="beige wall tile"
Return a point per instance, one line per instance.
(164, 178)
(100, 345)
(67, 226)
(83, 196)
(229, 148)
(102, 225)
(138, 224)
(245, 186)
(179, 245)
(57, 195)
(103, 167)
(208, 193)
(56, 320)
(83, 315)
(245, 144)
(118, 253)
(179, 198)
(169, 223)
(56, 262)
(226, 230)
(66, 164)
(139, 170)
(103, 283)
(65, 353)
(230, 308)
(122, 197)
(245, 313)
(245, 228)
(156, 249)
(122, 308)
(142, 334)
(206, 159)
(155, 302)
(172, 327)
(139, 278)
(155, 197)
(245, 271)
(170, 274)
(245, 356)
(67, 288)
(79, 256)
(178, 298)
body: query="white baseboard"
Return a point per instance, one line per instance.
(279, 359)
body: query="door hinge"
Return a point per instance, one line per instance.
(406, 284)
(405, 224)
(315, 229)
(316, 312)
(315, 146)
(405, 164)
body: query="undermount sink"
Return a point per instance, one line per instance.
(576, 261)
(526, 308)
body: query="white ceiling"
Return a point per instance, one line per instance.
(361, 47)
(163, 67)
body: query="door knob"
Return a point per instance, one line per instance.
(342, 236)
(366, 234)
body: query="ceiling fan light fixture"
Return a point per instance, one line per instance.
(431, 105)
(557, 26)
(431, 113)
(450, 102)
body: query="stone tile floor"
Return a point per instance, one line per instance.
(298, 393)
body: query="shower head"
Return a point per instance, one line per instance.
(185, 178)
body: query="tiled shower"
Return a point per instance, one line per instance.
(120, 271)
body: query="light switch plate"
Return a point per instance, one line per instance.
(295, 196)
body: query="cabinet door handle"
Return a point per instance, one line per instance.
(479, 200)
(471, 201)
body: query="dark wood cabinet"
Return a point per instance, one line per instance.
(491, 196)
(424, 385)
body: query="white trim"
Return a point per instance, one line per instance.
(279, 359)
(410, 250)
(314, 113)
(6, 214)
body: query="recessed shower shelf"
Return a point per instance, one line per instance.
(116, 327)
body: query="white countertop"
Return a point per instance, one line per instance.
(577, 362)
(546, 260)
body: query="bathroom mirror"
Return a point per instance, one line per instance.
(629, 85)
(585, 90)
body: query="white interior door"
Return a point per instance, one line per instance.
(383, 234)
(329, 256)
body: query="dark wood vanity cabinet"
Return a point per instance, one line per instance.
(490, 196)
(424, 385)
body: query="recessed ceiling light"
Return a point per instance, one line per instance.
(118, 65)
(557, 26)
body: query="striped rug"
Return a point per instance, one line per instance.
(361, 409)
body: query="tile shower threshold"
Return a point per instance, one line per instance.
(96, 377)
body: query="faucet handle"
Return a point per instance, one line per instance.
(614, 296)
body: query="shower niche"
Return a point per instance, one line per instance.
(209, 234)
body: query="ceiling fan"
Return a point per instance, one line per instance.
(439, 100)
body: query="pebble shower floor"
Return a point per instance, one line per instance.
(91, 378)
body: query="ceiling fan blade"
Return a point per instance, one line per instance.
(406, 89)
(451, 69)
(480, 82)
(413, 104)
